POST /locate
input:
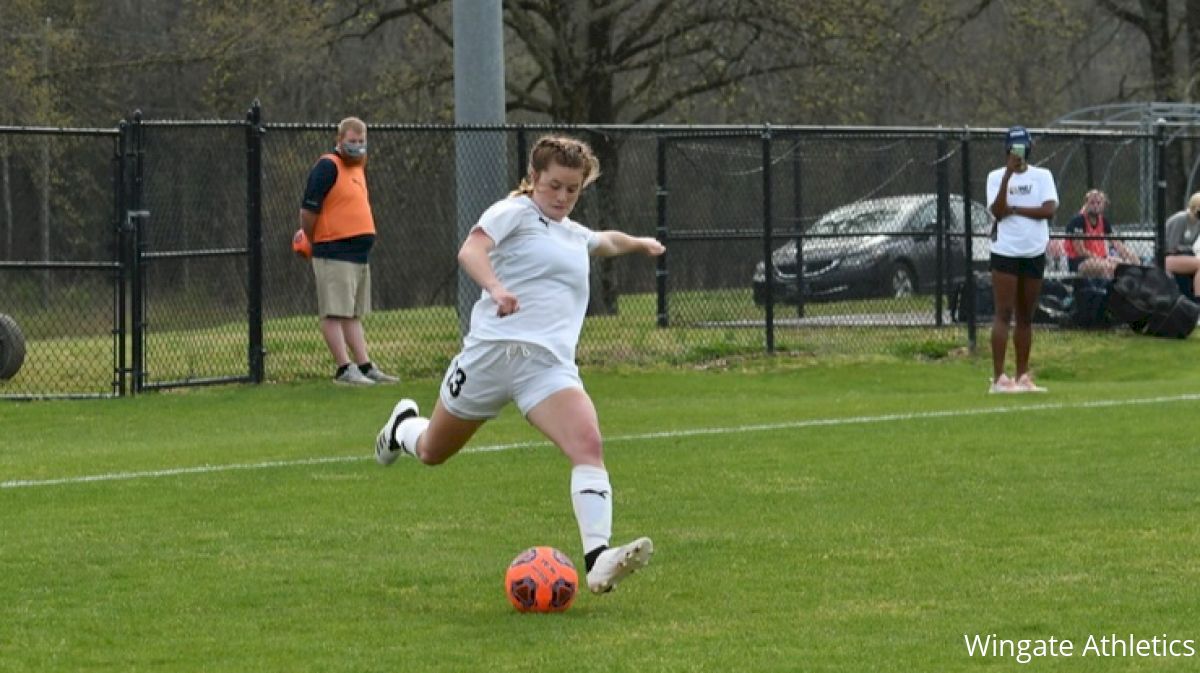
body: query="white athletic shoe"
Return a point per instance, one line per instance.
(616, 563)
(1003, 385)
(379, 376)
(352, 377)
(387, 447)
(1025, 384)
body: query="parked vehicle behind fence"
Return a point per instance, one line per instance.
(884, 247)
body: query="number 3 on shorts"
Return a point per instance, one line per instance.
(456, 380)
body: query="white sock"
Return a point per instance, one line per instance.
(591, 494)
(409, 431)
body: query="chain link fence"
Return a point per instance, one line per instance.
(60, 277)
(874, 218)
(811, 240)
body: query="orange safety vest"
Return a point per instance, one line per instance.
(346, 211)
(1095, 242)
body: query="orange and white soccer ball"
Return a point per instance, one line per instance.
(541, 579)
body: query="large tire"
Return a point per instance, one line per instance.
(12, 347)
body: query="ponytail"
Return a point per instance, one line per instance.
(523, 189)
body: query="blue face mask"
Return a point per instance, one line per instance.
(355, 150)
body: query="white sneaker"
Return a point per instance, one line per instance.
(1002, 385)
(378, 376)
(387, 447)
(352, 377)
(616, 563)
(1025, 384)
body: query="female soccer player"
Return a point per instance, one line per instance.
(531, 260)
(1022, 198)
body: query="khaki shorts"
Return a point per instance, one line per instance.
(343, 288)
(485, 376)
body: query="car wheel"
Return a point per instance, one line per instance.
(904, 281)
(12, 347)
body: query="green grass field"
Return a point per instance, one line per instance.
(858, 516)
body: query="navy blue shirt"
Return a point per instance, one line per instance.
(320, 180)
(1077, 226)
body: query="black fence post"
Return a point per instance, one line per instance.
(1160, 193)
(798, 224)
(254, 260)
(767, 237)
(120, 256)
(1088, 161)
(968, 244)
(662, 233)
(943, 216)
(522, 154)
(134, 218)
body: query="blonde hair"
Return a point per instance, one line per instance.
(564, 151)
(351, 123)
(1095, 193)
(1194, 202)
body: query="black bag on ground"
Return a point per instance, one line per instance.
(1089, 304)
(1050, 302)
(1149, 300)
(1178, 322)
(984, 304)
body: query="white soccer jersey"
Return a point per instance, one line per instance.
(545, 264)
(1017, 235)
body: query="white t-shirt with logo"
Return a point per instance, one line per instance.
(1017, 235)
(543, 262)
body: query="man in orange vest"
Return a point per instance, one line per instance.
(336, 218)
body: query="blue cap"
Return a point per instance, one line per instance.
(1017, 135)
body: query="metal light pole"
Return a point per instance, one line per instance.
(480, 155)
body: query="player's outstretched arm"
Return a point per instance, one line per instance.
(613, 243)
(473, 258)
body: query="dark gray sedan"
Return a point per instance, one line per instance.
(883, 247)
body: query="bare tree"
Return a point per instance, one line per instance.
(634, 61)
(631, 61)
(1154, 22)
(1192, 10)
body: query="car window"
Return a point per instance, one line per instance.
(924, 215)
(858, 221)
(954, 225)
(981, 220)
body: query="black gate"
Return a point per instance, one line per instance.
(195, 253)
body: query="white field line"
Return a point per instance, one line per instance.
(694, 432)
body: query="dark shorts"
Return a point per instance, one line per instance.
(1024, 267)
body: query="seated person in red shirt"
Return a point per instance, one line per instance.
(1094, 256)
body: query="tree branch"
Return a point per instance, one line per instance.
(670, 99)
(627, 49)
(1137, 20)
(525, 100)
(957, 21)
(409, 8)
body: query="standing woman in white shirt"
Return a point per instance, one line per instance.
(532, 262)
(1022, 198)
